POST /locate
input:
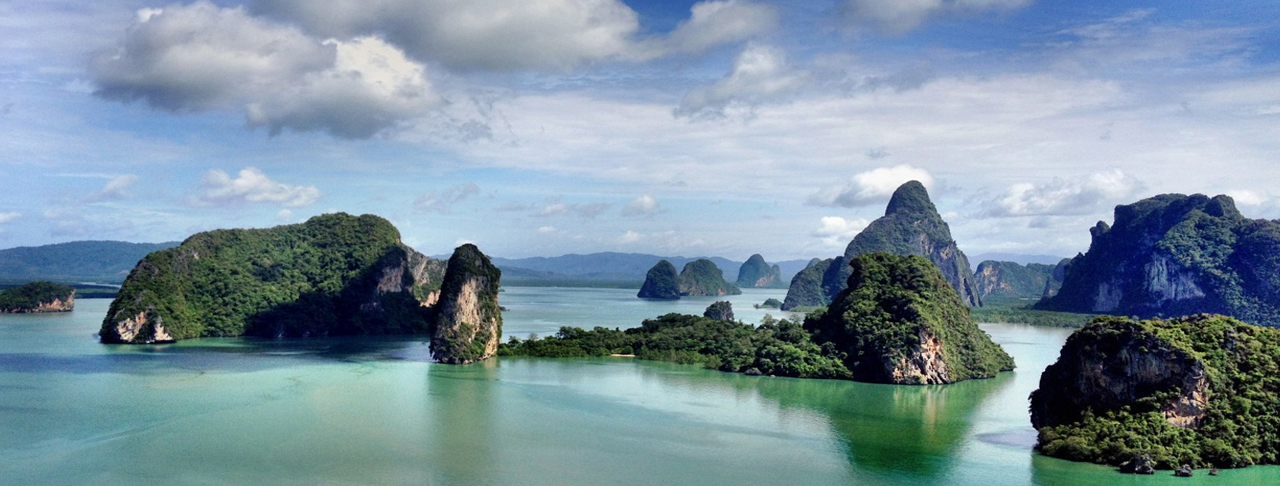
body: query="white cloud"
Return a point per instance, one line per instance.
(641, 206)
(1065, 196)
(9, 217)
(443, 201)
(872, 187)
(900, 16)
(251, 186)
(555, 35)
(115, 189)
(630, 237)
(837, 231)
(556, 207)
(759, 73)
(546, 230)
(203, 57)
(1247, 197)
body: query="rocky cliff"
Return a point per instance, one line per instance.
(1197, 390)
(335, 274)
(703, 278)
(757, 273)
(1175, 255)
(720, 310)
(1009, 280)
(467, 323)
(899, 321)
(911, 225)
(35, 297)
(661, 282)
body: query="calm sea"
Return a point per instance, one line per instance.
(376, 411)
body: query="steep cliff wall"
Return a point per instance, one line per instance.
(467, 323)
(1177, 255)
(1198, 390)
(1011, 280)
(661, 282)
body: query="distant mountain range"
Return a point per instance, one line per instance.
(76, 261)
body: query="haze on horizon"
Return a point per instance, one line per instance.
(722, 127)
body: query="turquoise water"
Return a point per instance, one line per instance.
(376, 411)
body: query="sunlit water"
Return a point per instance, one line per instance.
(376, 411)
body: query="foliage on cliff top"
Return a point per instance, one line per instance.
(1241, 425)
(1233, 260)
(291, 280)
(755, 269)
(775, 347)
(815, 285)
(703, 277)
(889, 300)
(32, 294)
(467, 342)
(661, 282)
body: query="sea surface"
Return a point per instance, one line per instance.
(377, 411)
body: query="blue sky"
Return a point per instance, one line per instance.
(540, 128)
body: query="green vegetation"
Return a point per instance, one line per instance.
(462, 334)
(702, 277)
(894, 304)
(1233, 366)
(720, 310)
(30, 296)
(769, 303)
(775, 347)
(1175, 255)
(1020, 311)
(815, 285)
(661, 282)
(1009, 280)
(315, 278)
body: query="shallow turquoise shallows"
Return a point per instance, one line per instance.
(376, 411)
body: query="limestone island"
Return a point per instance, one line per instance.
(333, 275)
(700, 277)
(911, 225)
(36, 297)
(1198, 391)
(898, 322)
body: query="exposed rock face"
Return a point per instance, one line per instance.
(336, 274)
(36, 297)
(1054, 283)
(720, 310)
(911, 225)
(1011, 280)
(661, 282)
(900, 322)
(703, 278)
(756, 273)
(1173, 255)
(1199, 386)
(467, 323)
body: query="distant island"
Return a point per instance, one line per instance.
(36, 297)
(1158, 394)
(757, 273)
(898, 322)
(699, 278)
(76, 261)
(1173, 255)
(911, 225)
(335, 274)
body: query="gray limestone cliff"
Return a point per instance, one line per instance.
(467, 322)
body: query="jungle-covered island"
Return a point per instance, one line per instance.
(335, 274)
(1202, 391)
(40, 296)
(897, 322)
(700, 277)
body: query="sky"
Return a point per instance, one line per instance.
(680, 128)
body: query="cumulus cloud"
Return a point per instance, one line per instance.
(115, 189)
(872, 187)
(837, 231)
(546, 230)
(759, 73)
(630, 237)
(1060, 196)
(9, 217)
(641, 206)
(251, 186)
(204, 57)
(900, 16)
(1247, 197)
(556, 207)
(519, 34)
(443, 201)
